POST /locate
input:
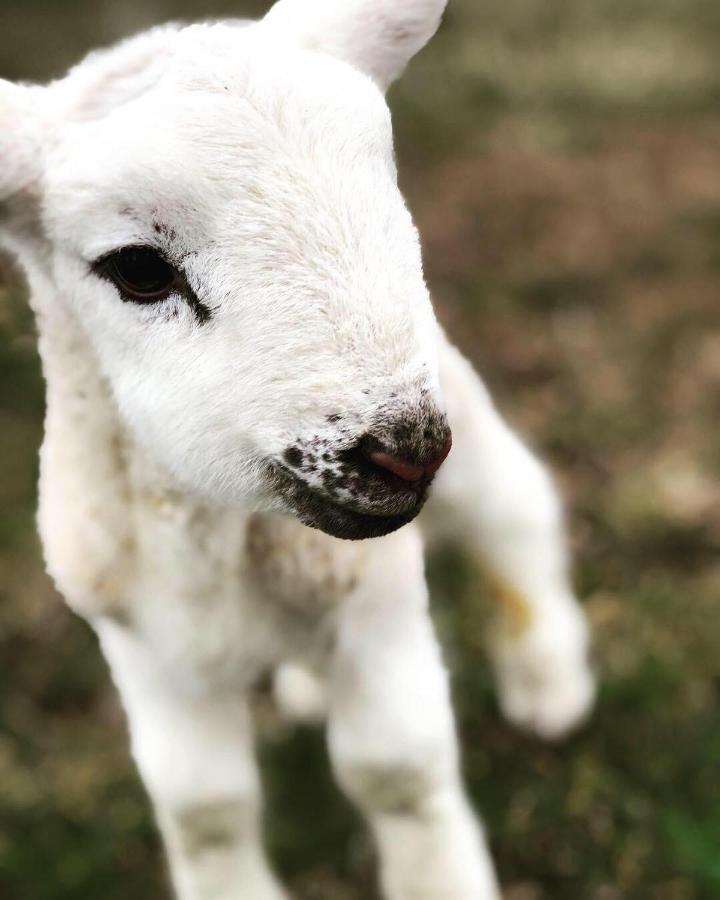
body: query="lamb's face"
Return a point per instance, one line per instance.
(235, 244)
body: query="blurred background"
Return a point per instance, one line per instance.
(562, 158)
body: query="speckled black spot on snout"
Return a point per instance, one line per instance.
(329, 478)
(293, 456)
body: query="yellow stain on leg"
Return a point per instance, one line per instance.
(516, 609)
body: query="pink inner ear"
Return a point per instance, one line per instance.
(379, 37)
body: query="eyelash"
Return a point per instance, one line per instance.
(143, 276)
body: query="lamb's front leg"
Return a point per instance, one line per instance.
(392, 737)
(195, 754)
(498, 501)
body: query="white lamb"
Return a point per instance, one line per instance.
(238, 343)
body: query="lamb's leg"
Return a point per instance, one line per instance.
(196, 758)
(497, 500)
(392, 738)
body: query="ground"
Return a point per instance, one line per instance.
(563, 163)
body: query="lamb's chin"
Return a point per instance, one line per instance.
(316, 510)
(350, 525)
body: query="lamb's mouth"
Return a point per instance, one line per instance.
(317, 510)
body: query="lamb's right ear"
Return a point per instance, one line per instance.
(379, 37)
(21, 141)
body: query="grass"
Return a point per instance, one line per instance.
(563, 163)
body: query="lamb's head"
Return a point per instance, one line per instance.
(219, 209)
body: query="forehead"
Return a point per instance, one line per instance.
(225, 106)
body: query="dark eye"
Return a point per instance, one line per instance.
(140, 274)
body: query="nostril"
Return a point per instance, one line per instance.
(400, 467)
(406, 469)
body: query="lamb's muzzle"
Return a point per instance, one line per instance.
(372, 485)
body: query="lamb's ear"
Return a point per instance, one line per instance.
(21, 136)
(377, 36)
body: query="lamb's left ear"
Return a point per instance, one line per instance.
(377, 36)
(21, 136)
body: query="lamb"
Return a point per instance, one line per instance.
(245, 378)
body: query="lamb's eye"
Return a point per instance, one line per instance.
(140, 274)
